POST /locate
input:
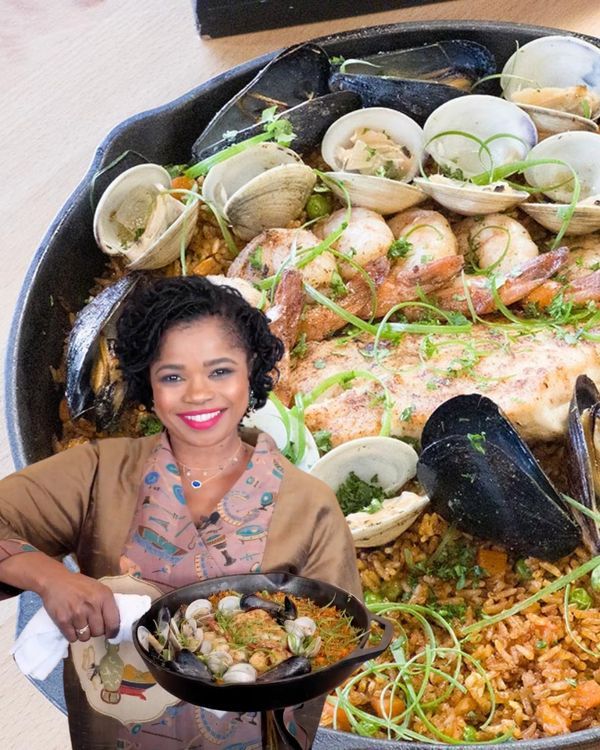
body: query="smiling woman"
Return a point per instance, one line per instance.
(170, 508)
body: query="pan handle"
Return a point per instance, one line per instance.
(367, 653)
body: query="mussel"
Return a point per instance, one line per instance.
(292, 667)
(416, 81)
(309, 121)
(91, 381)
(584, 456)
(481, 476)
(188, 665)
(278, 612)
(296, 75)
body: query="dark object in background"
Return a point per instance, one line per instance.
(228, 17)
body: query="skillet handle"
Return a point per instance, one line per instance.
(367, 653)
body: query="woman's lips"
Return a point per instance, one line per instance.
(201, 420)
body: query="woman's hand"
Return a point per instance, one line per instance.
(80, 606)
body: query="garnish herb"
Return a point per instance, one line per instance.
(301, 348)
(338, 288)
(581, 598)
(477, 441)
(406, 413)
(523, 571)
(354, 494)
(255, 259)
(319, 364)
(323, 441)
(399, 248)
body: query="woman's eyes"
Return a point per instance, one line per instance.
(170, 378)
(221, 371)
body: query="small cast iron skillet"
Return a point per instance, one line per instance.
(265, 696)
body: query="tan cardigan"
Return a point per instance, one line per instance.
(84, 500)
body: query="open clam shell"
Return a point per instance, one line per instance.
(138, 219)
(571, 152)
(480, 476)
(556, 79)
(507, 132)
(377, 193)
(468, 199)
(394, 463)
(265, 186)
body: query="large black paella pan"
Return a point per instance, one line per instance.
(68, 259)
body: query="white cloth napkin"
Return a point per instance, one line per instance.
(41, 645)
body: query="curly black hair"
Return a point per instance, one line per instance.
(157, 305)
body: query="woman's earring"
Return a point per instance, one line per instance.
(251, 402)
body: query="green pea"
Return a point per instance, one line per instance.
(392, 590)
(371, 597)
(522, 570)
(581, 598)
(541, 644)
(319, 204)
(470, 734)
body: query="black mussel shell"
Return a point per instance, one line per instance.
(584, 413)
(417, 99)
(82, 346)
(188, 665)
(279, 612)
(455, 62)
(309, 122)
(483, 491)
(477, 415)
(292, 667)
(297, 74)
(480, 475)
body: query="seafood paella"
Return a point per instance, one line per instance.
(422, 228)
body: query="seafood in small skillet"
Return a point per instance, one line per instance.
(233, 639)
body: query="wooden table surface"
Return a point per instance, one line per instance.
(72, 69)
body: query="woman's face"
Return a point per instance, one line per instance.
(200, 383)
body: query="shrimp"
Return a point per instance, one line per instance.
(427, 233)
(366, 238)
(284, 316)
(495, 240)
(267, 252)
(515, 287)
(580, 276)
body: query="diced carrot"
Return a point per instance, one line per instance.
(552, 719)
(543, 295)
(383, 711)
(587, 694)
(182, 183)
(341, 717)
(494, 561)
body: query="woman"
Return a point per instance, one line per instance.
(166, 508)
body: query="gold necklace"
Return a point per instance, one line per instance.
(196, 484)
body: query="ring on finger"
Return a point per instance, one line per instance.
(81, 631)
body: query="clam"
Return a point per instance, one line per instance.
(138, 218)
(229, 605)
(218, 662)
(481, 476)
(302, 627)
(416, 81)
(197, 609)
(148, 641)
(556, 80)
(393, 463)
(375, 153)
(91, 379)
(468, 199)
(262, 187)
(239, 674)
(584, 456)
(496, 133)
(575, 152)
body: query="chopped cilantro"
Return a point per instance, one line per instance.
(399, 248)
(453, 174)
(407, 412)
(319, 364)
(150, 425)
(477, 441)
(323, 440)
(301, 348)
(338, 288)
(354, 494)
(255, 258)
